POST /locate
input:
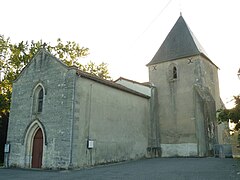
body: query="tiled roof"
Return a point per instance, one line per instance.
(179, 43)
(109, 83)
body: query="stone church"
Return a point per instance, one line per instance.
(62, 117)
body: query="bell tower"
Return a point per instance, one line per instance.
(188, 94)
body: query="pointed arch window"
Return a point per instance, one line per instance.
(173, 72)
(40, 101)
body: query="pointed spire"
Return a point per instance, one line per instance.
(179, 43)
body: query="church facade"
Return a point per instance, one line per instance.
(62, 117)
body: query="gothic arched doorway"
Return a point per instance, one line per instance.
(37, 149)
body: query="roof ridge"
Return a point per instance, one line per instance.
(133, 81)
(108, 83)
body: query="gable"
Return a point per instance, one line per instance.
(41, 61)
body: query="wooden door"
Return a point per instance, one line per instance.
(37, 149)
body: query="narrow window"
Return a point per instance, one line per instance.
(174, 72)
(40, 100)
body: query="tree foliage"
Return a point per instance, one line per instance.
(97, 70)
(224, 115)
(15, 56)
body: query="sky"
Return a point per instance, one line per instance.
(126, 34)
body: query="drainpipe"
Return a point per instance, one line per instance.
(152, 139)
(90, 110)
(72, 121)
(89, 121)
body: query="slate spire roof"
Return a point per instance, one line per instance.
(179, 43)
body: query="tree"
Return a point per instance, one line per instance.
(224, 115)
(14, 57)
(100, 70)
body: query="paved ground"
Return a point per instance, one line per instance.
(160, 168)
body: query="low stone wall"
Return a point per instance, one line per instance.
(179, 150)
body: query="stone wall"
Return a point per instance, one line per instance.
(55, 118)
(116, 122)
(181, 116)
